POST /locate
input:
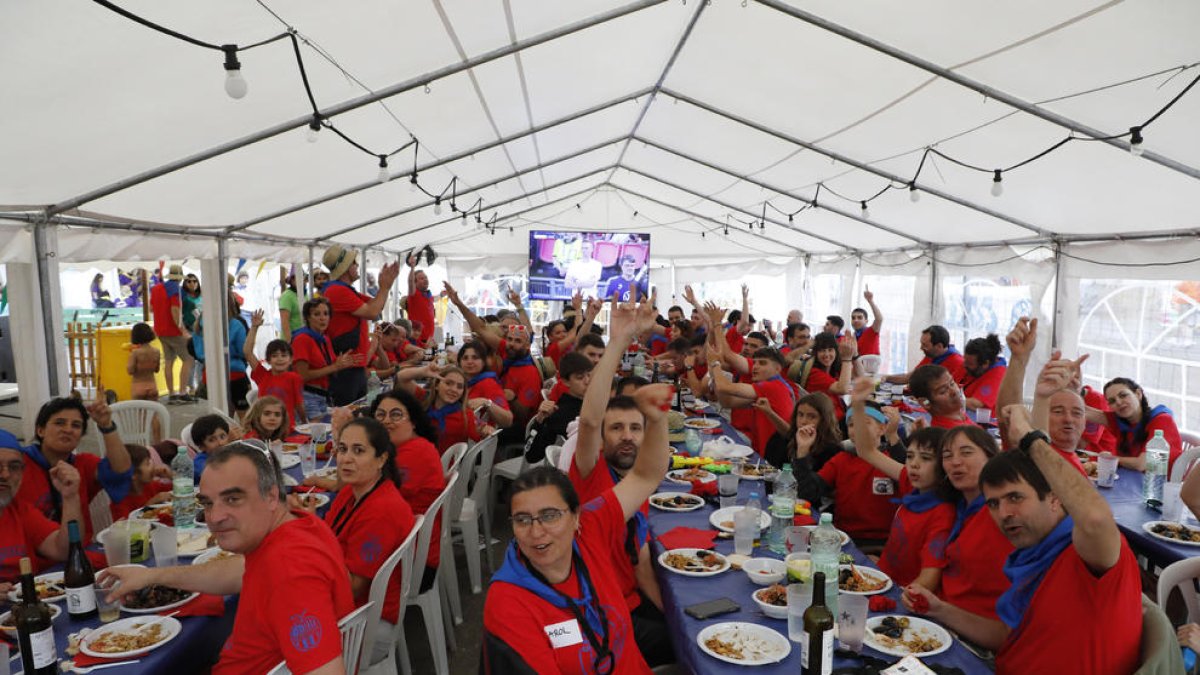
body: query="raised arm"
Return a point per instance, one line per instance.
(1021, 341)
(65, 478)
(847, 346)
(1058, 374)
(870, 298)
(738, 364)
(866, 446)
(744, 319)
(515, 298)
(114, 447)
(412, 273)
(475, 323)
(256, 320)
(651, 463)
(374, 307)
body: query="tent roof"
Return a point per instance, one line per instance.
(577, 115)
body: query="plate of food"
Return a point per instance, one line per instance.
(676, 501)
(291, 449)
(163, 513)
(701, 423)
(213, 554)
(757, 471)
(133, 636)
(859, 580)
(156, 598)
(722, 519)
(745, 644)
(1092, 469)
(693, 562)
(904, 635)
(194, 541)
(1172, 532)
(288, 481)
(313, 500)
(287, 461)
(772, 600)
(691, 474)
(9, 626)
(49, 588)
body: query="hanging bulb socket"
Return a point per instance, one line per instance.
(437, 206)
(866, 213)
(235, 84)
(1135, 141)
(412, 182)
(314, 129)
(383, 169)
(914, 195)
(791, 218)
(997, 184)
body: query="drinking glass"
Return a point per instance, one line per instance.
(116, 543)
(852, 620)
(727, 488)
(109, 611)
(797, 539)
(166, 546)
(799, 597)
(1106, 469)
(308, 459)
(1172, 503)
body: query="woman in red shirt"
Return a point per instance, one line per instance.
(455, 422)
(483, 386)
(313, 358)
(1133, 422)
(368, 516)
(832, 369)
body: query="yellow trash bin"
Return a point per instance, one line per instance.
(112, 354)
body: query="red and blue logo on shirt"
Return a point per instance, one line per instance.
(371, 549)
(306, 631)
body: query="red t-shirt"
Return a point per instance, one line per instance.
(917, 540)
(1163, 422)
(868, 342)
(597, 483)
(986, 387)
(163, 297)
(286, 386)
(782, 400)
(974, 576)
(742, 419)
(949, 422)
(555, 353)
(1078, 622)
(522, 620)
(288, 611)
(36, 486)
(1097, 437)
(1071, 458)
(22, 529)
(489, 388)
(556, 392)
(420, 308)
(317, 356)
(821, 381)
(952, 362)
(133, 502)
(525, 382)
(370, 533)
(862, 494)
(459, 427)
(344, 301)
(735, 339)
(421, 482)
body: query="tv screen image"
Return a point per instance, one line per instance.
(597, 264)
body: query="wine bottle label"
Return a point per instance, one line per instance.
(81, 600)
(42, 648)
(826, 652)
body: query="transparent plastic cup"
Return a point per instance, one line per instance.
(1106, 469)
(166, 546)
(308, 459)
(799, 597)
(116, 543)
(727, 488)
(852, 620)
(1172, 508)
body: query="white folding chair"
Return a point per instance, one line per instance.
(352, 628)
(100, 511)
(430, 602)
(135, 421)
(1180, 468)
(508, 469)
(451, 457)
(1181, 574)
(448, 572)
(402, 557)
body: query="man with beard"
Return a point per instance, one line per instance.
(935, 344)
(610, 434)
(24, 531)
(936, 389)
(287, 611)
(797, 339)
(352, 310)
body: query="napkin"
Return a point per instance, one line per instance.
(687, 537)
(202, 605)
(83, 660)
(298, 438)
(702, 489)
(881, 603)
(801, 519)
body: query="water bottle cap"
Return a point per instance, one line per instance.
(826, 518)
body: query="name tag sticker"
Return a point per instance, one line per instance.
(564, 634)
(882, 486)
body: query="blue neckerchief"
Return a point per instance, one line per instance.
(999, 362)
(858, 332)
(920, 502)
(515, 572)
(439, 415)
(950, 351)
(526, 360)
(34, 452)
(779, 378)
(1157, 410)
(317, 338)
(335, 282)
(964, 513)
(481, 377)
(426, 293)
(657, 338)
(637, 528)
(1026, 568)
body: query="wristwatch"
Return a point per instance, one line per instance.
(112, 426)
(1028, 439)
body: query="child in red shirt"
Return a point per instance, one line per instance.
(276, 380)
(265, 421)
(145, 487)
(454, 421)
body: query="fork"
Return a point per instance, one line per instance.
(88, 669)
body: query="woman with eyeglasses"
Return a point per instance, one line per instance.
(483, 385)
(455, 422)
(557, 572)
(369, 516)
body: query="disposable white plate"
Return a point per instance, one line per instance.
(692, 552)
(289, 481)
(767, 470)
(209, 555)
(1148, 527)
(701, 423)
(737, 632)
(170, 626)
(164, 608)
(186, 541)
(699, 501)
(56, 577)
(320, 497)
(868, 572)
(677, 476)
(287, 461)
(921, 626)
(719, 517)
(55, 610)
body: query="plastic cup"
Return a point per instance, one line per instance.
(1106, 469)
(308, 459)
(1172, 503)
(983, 415)
(799, 597)
(727, 488)
(797, 539)
(109, 611)
(116, 543)
(852, 620)
(166, 546)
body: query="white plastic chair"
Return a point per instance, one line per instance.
(352, 628)
(451, 457)
(1180, 468)
(448, 572)
(100, 511)
(553, 452)
(483, 498)
(402, 557)
(135, 421)
(430, 602)
(466, 518)
(1181, 574)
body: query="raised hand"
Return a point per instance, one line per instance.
(806, 436)
(388, 274)
(745, 292)
(867, 294)
(514, 297)
(714, 314)
(864, 388)
(690, 296)
(1022, 338)
(847, 347)
(256, 319)
(594, 305)
(654, 400)
(644, 314)
(450, 292)
(893, 420)
(577, 301)
(65, 479)
(412, 259)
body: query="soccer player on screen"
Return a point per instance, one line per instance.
(629, 279)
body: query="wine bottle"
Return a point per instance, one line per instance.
(78, 578)
(35, 632)
(816, 655)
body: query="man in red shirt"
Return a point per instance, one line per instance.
(936, 389)
(797, 339)
(983, 371)
(352, 310)
(1071, 564)
(420, 301)
(288, 611)
(867, 336)
(935, 344)
(25, 531)
(766, 383)
(167, 308)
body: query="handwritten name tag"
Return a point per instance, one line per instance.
(564, 634)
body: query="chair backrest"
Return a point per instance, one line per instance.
(553, 452)
(1189, 439)
(252, 395)
(402, 557)
(455, 501)
(1179, 469)
(426, 534)
(451, 457)
(1182, 575)
(1160, 653)
(353, 628)
(100, 511)
(135, 421)
(481, 489)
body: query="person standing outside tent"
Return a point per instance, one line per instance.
(290, 319)
(420, 301)
(166, 304)
(867, 336)
(348, 330)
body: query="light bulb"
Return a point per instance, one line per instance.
(437, 207)
(866, 213)
(914, 195)
(478, 224)
(997, 184)
(412, 182)
(382, 177)
(510, 232)
(235, 84)
(314, 131)
(1135, 142)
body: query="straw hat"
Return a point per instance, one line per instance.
(337, 260)
(175, 273)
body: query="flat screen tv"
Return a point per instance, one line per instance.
(594, 263)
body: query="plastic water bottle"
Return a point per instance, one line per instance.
(691, 439)
(639, 364)
(825, 546)
(1158, 454)
(374, 386)
(183, 490)
(783, 510)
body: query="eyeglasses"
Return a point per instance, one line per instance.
(394, 415)
(546, 517)
(13, 467)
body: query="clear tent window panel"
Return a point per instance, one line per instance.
(974, 306)
(1148, 331)
(824, 295)
(894, 296)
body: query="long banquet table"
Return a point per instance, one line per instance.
(1131, 513)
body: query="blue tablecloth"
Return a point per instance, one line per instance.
(1131, 512)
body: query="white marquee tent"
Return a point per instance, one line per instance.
(743, 135)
